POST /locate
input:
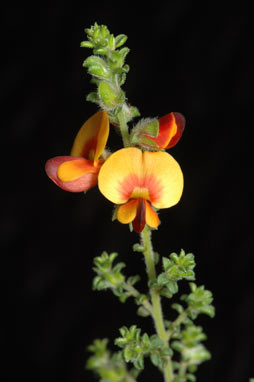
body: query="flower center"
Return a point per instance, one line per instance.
(140, 192)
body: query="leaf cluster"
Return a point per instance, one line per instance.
(186, 336)
(176, 268)
(108, 70)
(110, 276)
(136, 346)
(183, 336)
(199, 301)
(108, 367)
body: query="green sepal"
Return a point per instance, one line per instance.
(93, 97)
(143, 141)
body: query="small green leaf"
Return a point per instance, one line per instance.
(110, 96)
(139, 363)
(172, 287)
(138, 247)
(101, 51)
(167, 352)
(177, 345)
(191, 378)
(143, 312)
(86, 44)
(157, 360)
(156, 342)
(93, 97)
(111, 42)
(162, 279)
(120, 40)
(99, 71)
(178, 308)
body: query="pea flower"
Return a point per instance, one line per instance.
(162, 133)
(137, 181)
(79, 171)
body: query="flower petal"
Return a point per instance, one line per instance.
(75, 168)
(131, 173)
(163, 177)
(84, 176)
(179, 121)
(92, 137)
(127, 212)
(171, 127)
(139, 222)
(152, 218)
(120, 174)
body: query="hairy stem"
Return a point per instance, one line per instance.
(135, 293)
(155, 297)
(123, 126)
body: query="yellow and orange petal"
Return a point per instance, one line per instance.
(139, 212)
(92, 137)
(127, 212)
(73, 174)
(130, 173)
(171, 127)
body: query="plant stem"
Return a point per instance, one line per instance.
(155, 297)
(123, 126)
(135, 293)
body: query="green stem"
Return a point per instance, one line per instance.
(156, 301)
(123, 126)
(135, 293)
(179, 320)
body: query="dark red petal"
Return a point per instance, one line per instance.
(180, 122)
(140, 219)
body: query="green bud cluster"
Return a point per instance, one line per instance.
(108, 70)
(107, 366)
(176, 268)
(192, 352)
(107, 275)
(199, 301)
(110, 276)
(136, 347)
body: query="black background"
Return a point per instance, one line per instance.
(184, 57)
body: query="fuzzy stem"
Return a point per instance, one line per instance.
(123, 126)
(155, 297)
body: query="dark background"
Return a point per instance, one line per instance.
(184, 57)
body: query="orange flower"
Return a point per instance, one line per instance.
(79, 171)
(138, 180)
(165, 132)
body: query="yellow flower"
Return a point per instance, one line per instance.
(136, 181)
